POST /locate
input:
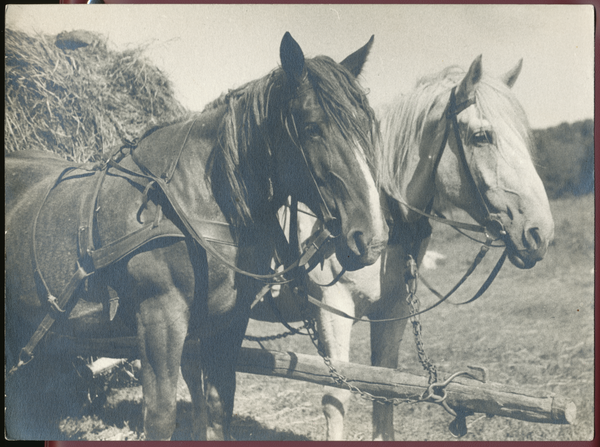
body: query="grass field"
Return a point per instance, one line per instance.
(533, 329)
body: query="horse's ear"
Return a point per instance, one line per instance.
(465, 90)
(510, 77)
(354, 63)
(292, 59)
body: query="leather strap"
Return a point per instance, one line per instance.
(471, 269)
(26, 354)
(481, 290)
(201, 240)
(492, 226)
(215, 232)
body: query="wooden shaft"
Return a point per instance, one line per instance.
(463, 394)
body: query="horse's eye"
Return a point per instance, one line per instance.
(482, 138)
(312, 130)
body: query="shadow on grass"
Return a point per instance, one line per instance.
(242, 428)
(247, 429)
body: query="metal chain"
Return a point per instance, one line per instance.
(271, 337)
(411, 280)
(342, 380)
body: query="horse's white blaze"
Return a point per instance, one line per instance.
(373, 191)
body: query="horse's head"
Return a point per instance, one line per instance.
(326, 155)
(465, 139)
(496, 143)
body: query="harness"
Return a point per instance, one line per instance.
(492, 227)
(203, 232)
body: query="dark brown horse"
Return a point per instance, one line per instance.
(145, 240)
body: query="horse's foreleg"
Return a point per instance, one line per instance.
(386, 337)
(162, 327)
(385, 341)
(208, 367)
(191, 370)
(334, 337)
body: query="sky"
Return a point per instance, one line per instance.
(208, 49)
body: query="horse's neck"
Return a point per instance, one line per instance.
(179, 153)
(158, 151)
(417, 184)
(409, 235)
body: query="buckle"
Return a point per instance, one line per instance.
(54, 303)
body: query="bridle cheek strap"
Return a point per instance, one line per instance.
(327, 217)
(452, 114)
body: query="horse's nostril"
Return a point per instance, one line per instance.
(357, 243)
(533, 239)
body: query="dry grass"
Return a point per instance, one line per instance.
(79, 102)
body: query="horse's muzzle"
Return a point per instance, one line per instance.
(358, 252)
(534, 249)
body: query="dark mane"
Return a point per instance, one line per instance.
(254, 122)
(153, 126)
(341, 96)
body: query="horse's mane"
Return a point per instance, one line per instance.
(256, 118)
(153, 126)
(403, 122)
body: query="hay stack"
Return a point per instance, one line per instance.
(71, 95)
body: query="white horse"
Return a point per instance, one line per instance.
(493, 180)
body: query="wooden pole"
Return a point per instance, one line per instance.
(464, 394)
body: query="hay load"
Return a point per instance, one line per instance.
(72, 95)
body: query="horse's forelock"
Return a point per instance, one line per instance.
(499, 106)
(342, 98)
(402, 123)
